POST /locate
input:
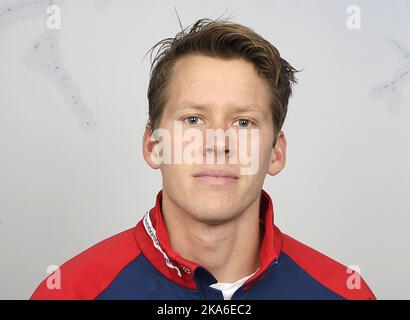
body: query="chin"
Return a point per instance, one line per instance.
(209, 213)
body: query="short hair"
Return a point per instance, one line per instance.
(224, 39)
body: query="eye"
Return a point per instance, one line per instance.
(244, 123)
(193, 120)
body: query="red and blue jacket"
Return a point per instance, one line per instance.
(139, 263)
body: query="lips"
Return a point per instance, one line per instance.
(217, 173)
(216, 177)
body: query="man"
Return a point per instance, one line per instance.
(211, 233)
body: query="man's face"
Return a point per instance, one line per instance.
(213, 93)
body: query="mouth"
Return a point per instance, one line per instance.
(216, 177)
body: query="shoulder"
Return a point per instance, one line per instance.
(87, 274)
(330, 273)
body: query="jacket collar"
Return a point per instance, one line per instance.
(152, 238)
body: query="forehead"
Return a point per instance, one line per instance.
(217, 84)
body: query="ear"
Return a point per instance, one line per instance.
(278, 155)
(148, 151)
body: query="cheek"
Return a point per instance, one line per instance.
(175, 174)
(265, 149)
(186, 144)
(169, 174)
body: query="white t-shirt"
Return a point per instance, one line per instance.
(228, 289)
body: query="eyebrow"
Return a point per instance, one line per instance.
(245, 108)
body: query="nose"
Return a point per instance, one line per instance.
(220, 143)
(217, 148)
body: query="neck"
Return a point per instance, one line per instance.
(230, 251)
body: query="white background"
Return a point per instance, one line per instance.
(345, 188)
